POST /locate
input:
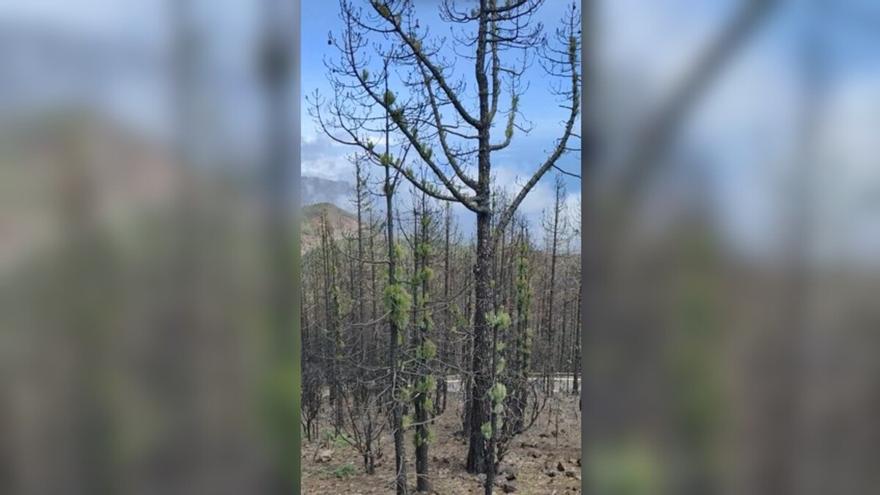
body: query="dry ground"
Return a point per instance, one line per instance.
(542, 461)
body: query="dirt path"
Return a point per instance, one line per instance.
(541, 462)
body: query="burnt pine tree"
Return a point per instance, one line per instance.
(425, 348)
(556, 227)
(397, 303)
(365, 126)
(440, 400)
(332, 308)
(429, 109)
(365, 410)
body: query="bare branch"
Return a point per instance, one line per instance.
(573, 65)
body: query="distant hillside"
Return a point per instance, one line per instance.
(341, 221)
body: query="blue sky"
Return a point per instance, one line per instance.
(512, 166)
(742, 129)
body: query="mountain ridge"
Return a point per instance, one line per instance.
(341, 222)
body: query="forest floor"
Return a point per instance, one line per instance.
(545, 460)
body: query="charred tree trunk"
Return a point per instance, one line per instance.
(423, 349)
(477, 459)
(440, 399)
(394, 321)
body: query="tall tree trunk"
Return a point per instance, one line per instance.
(522, 357)
(393, 326)
(374, 312)
(394, 336)
(440, 401)
(423, 483)
(551, 292)
(477, 459)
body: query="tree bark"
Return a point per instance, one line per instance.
(479, 411)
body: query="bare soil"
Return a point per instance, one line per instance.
(544, 460)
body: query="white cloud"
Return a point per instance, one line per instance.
(324, 158)
(540, 198)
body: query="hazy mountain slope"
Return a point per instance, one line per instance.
(341, 222)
